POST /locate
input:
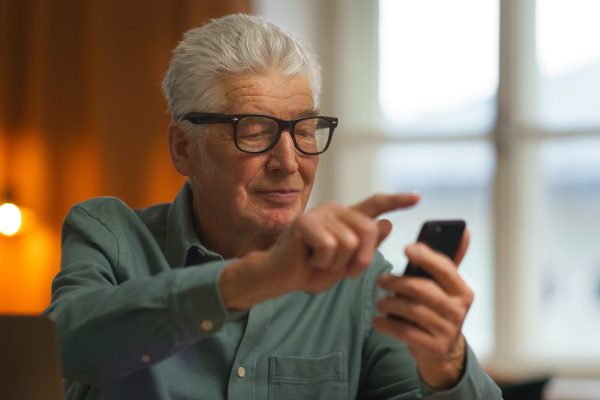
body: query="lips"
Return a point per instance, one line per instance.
(277, 190)
(279, 194)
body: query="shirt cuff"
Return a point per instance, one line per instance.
(197, 301)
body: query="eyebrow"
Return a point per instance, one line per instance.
(309, 113)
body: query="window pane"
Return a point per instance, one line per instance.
(455, 181)
(571, 247)
(438, 65)
(568, 54)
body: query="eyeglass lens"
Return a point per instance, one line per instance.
(255, 134)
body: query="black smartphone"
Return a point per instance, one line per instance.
(443, 236)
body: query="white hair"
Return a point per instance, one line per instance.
(227, 47)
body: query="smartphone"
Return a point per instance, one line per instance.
(443, 236)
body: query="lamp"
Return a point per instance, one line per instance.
(10, 216)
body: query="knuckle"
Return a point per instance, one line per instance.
(328, 243)
(431, 286)
(440, 347)
(351, 242)
(366, 231)
(415, 287)
(456, 314)
(469, 296)
(447, 272)
(369, 228)
(379, 197)
(418, 310)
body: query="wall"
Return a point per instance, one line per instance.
(82, 115)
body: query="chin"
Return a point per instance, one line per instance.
(277, 226)
(278, 222)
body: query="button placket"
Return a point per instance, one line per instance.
(245, 362)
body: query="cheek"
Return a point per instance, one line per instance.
(240, 176)
(308, 169)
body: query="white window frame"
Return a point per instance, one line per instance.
(344, 34)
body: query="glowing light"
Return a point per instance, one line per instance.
(10, 219)
(435, 62)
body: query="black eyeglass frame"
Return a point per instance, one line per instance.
(197, 118)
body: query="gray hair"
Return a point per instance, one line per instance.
(227, 47)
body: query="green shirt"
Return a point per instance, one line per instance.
(140, 316)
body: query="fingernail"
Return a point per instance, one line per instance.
(411, 250)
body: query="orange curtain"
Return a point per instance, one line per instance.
(82, 115)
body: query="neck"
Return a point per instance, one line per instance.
(231, 243)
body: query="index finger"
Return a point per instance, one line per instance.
(378, 204)
(442, 269)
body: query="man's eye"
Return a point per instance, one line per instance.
(249, 128)
(306, 134)
(253, 135)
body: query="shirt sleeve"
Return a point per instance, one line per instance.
(119, 306)
(474, 384)
(389, 372)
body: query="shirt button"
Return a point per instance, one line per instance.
(241, 372)
(207, 325)
(146, 358)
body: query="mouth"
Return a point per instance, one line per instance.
(282, 191)
(280, 194)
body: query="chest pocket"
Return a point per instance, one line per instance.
(308, 378)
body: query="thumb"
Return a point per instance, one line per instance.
(385, 227)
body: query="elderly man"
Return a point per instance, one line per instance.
(232, 290)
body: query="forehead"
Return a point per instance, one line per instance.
(271, 94)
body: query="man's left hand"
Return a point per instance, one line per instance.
(436, 309)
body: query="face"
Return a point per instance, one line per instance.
(255, 193)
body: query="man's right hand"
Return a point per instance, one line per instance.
(323, 246)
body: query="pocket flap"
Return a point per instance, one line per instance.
(302, 370)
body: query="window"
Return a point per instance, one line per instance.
(483, 111)
(438, 66)
(455, 182)
(490, 109)
(570, 246)
(569, 161)
(438, 74)
(569, 61)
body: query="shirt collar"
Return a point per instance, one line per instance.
(182, 245)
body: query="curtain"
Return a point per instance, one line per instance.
(82, 115)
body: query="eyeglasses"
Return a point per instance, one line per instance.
(253, 133)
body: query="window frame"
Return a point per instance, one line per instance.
(516, 137)
(345, 35)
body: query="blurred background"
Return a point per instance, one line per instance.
(489, 108)
(81, 115)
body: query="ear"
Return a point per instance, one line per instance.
(180, 148)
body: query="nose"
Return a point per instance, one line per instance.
(283, 157)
